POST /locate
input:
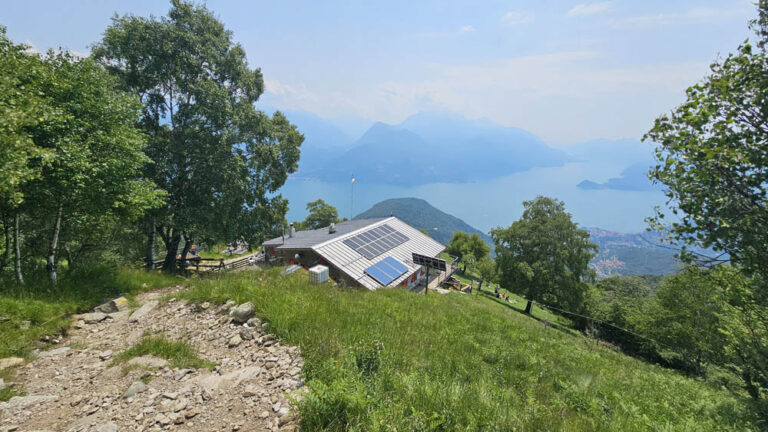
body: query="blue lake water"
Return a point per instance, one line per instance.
(497, 202)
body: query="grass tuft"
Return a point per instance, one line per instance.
(179, 354)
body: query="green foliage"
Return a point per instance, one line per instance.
(47, 306)
(219, 159)
(459, 362)
(179, 354)
(470, 249)
(544, 256)
(321, 214)
(711, 157)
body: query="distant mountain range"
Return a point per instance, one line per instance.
(620, 253)
(425, 148)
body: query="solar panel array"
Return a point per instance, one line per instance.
(427, 261)
(376, 241)
(386, 270)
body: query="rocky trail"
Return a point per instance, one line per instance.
(76, 387)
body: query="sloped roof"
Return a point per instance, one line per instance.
(353, 264)
(333, 249)
(309, 238)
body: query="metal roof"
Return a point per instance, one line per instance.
(332, 248)
(354, 264)
(309, 238)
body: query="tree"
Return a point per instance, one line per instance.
(687, 320)
(544, 256)
(712, 159)
(95, 151)
(487, 269)
(23, 107)
(470, 249)
(219, 159)
(320, 215)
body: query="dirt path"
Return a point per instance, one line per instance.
(75, 388)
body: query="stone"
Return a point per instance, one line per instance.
(25, 325)
(181, 405)
(176, 418)
(243, 313)
(2, 384)
(182, 373)
(250, 391)
(227, 306)
(194, 412)
(254, 322)
(264, 414)
(105, 355)
(142, 312)
(93, 317)
(53, 352)
(112, 306)
(235, 341)
(22, 402)
(135, 388)
(148, 361)
(246, 334)
(107, 427)
(162, 419)
(10, 362)
(205, 305)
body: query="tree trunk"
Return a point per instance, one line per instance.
(480, 286)
(8, 241)
(169, 265)
(151, 239)
(52, 261)
(17, 250)
(528, 307)
(185, 251)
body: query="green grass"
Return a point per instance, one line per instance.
(215, 252)
(391, 360)
(178, 353)
(46, 305)
(9, 391)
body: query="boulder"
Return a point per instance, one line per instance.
(22, 402)
(135, 388)
(93, 317)
(141, 312)
(10, 362)
(112, 306)
(243, 313)
(235, 341)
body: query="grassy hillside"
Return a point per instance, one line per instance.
(422, 215)
(392, 360)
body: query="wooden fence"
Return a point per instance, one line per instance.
(202, 265)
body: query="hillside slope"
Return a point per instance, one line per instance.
(422, 215)
(391, 360)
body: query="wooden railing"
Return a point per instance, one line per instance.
(215, 264)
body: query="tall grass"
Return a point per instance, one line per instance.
(45, 306)
(391, 360)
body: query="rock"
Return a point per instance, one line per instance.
(2, 384)
(181, 405)
(105, 355)
(171, 396)
(246, 334)
(148, 361)
(243, 313)
(141, 312)
(182, 373)
(235, 341)
(135, 388)
(112, 306)
(107, 427)
(53, 352)
(93, 317)
(254, 322)
(250, 391)
(10, 362)
(162, 419)
(264, 414)
(192, 413)
(22, 402)
(176, 418)
(227, 306)
(205, 305)
(25, 325)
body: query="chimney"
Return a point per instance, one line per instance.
(331, 228)
(291, 231)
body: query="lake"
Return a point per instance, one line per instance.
(497, 202)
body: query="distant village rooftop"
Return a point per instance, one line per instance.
(367, 252)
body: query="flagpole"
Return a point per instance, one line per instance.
(352, 198)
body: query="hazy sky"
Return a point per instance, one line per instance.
(567, 71)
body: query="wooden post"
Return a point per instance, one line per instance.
(426, 282)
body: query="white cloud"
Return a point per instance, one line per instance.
(466, 29)
(516, 17)
(585, 9)
(694, 15)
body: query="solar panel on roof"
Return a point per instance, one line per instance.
(386, 270)
(376, 241)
